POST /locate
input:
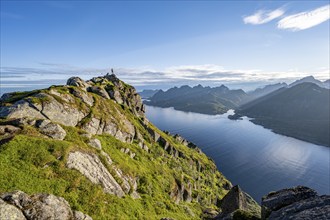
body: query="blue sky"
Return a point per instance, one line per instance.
(159, 44)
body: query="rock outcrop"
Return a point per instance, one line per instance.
(236, 200)
(8, 212)
(19, 205)
(295, 203)
(91, 167)
(50, 129)
(70, 138)
(74, 105)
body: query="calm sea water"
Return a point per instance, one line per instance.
(257, 159)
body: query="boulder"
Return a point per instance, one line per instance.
(236, 199)
(92, 126)
(51, 129)
(99, 91)
(276, 200)
(96, 143)
(91, 166)
(9, 212)
(312, 208)
(8, 129)
(21, 109)
(19, 205)
(155, 136)
(83, 96)
(62, 113)
(180, 192)
(40, 206)
(76, 81)
(114, 94)
(81, 216)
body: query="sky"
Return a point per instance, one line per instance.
(242, 44)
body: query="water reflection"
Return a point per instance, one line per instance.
(248, 154)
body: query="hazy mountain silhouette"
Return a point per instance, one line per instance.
(301, 111)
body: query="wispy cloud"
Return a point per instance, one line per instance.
(262, 17)
(208, 74)
(305, 20)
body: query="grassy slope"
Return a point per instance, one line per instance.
(35, 164)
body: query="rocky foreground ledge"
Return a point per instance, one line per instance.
(20, 206)
(295, 203)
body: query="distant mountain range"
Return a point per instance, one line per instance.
(207, 100)
(259, 92)
(300, 109)
(148, 93)
(311, 79)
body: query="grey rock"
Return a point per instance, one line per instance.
(129, 184)
(236, 199)
(107, 157)
(96, 143)
(276, 200)
(83, 96)
(143, 146)
(99, 91)
(10, 212)
(132, 155)
(40, 206)
(91, 167)
(51, 129)
(110, 128)
(19, 205)
(312, 208)
(21, 109)
(63, 96)
(19, 122)
(210, 213)
(114, 94)
(155, 136)
(8, 129)
(92, 126)
(76, 81)
(61, 113)
(177, 193)
(181, 140)
(81, 216)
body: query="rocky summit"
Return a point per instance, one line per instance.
(85, 150)
(90, 144)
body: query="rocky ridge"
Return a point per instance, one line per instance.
(97, 129)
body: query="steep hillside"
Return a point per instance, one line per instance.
(301, 111)
(200, 99)
(90, 143)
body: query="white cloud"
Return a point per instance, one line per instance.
(262, 17)
(305, 20)
(208, 74)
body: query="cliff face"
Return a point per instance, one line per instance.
(90, 143)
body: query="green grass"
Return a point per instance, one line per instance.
(36, 164)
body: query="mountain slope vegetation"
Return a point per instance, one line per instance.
(90, 143)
